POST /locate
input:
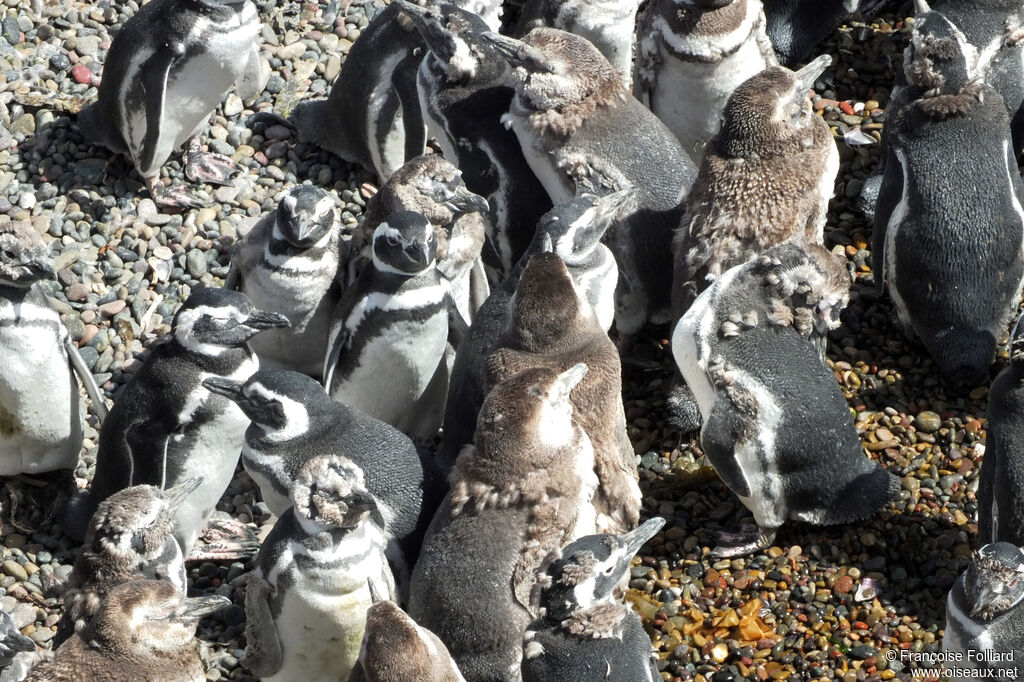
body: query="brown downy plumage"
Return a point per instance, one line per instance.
(396, 649)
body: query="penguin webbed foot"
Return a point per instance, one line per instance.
(173, 198)
(743, 543)
(225, 539)
(215, 169)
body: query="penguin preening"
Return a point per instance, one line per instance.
(396, 649)
(167, 69)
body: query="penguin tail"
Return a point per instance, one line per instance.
(315, 122)
(863, 496)
(75, 515)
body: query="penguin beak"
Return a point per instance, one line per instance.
(516, 52)
(610, 204)
(810, 73)
(361, 501)
(197, 607)
(230, 389)
(631, 542)
(465, 201)
(419, 252)
(264, 319)
(428, 24)
(568, 380)
(178, 493)
(38, 270)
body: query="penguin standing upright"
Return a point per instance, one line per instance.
(609, 24)
(569, 104)
(294, 420)
(167, 69)
(949, 222)
(523, 490)
(165, 427)
(396, 649)
(552, 325)
(386, 353)
(795, 27)
(705, 49)
(319, 570)
(40, 412)
(464, 89)
(764, 180)
(432, 186)
(776, 426)
(587, 633)
(574, 231)
(1000, 492)
(984, 616)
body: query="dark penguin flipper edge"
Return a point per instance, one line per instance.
(99, 404)
(408, 95)
(718, 440)
(458, 328)
(154, 82)
(233, 280)
(263, 655)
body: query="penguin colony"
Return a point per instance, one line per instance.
(583, 177)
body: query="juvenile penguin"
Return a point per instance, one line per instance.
(705, 49)
(465, 88)
(129, 536)
(1000, 498)
(143, 632)
(587, 633)
(523, 490)
(570, 103)
(294, 420)
(290, 262)
(40, 412)
(949, 225)
(573, 230)
(165, 427)
(776, 427)
(552, 325)
(167, 69)
(386, 349)
(432, 186)
(984, 614)
(608, 24)
(320, 569)
(765, 180)
(396, 649)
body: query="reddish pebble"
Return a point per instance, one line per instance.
(846, 107)
(81, 74)
(860, 625)
(843, 585)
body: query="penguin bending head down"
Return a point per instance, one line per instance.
(396, 649)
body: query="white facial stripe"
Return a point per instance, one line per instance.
(295, 414)
(324, 206)
(187, 319)
(289, 202)
(463, 63)
(384, 231)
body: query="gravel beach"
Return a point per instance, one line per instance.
(821, 604)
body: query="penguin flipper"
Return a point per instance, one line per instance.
(719, 440)
(263, 656)
(154, 83)
(336, 343)
(99, 405)
(458, 328)
(889, 196)
(233, 280)
(250, 82)
(147, 466)
(404, 81)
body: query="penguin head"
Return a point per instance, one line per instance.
(140, 616)
(277, 401)
(994, 582)
(939, 59)
(554, 69)
(575, 228)
(212, 320)
(546, 306)
(24, 258)
(137, 521)
(404, 244)
(747, 133)
(222, 9)
(588, 571)
(452, 36)
(305, 216)
(330, 492)
(393, 641)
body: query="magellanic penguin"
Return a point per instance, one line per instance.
(609, 24)
(294, 420)
(949, 225)
(144, 630)
(570, 103)
(795, 27)
(432, 186)
(40, 411)
(386, 350)
(396, 649)
(586, 632)
(522, 491)
(1000, 498)
(319, 570)
(573, 230)
(552, 325)
(995, 23)
(167, 69)
(984, 616)
(705, 49)
(765, 180)
(290, 261)
(465, 88)
(776, 427)
(165, 427)
(130, 536)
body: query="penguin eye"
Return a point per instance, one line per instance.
(430, 236)
(392, 241)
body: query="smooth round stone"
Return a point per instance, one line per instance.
(928, 422)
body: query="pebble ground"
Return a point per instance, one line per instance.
(820, 604)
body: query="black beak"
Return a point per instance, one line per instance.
(38, 270)
(263, 319)
(361, 501)
(465, 201)
(178, 493)
(516, 52)
(197, 607)
(419, 252)
(230, 389)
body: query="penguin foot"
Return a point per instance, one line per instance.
(172, 199)
(215, 169)
(732, 545)
(225, 539)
